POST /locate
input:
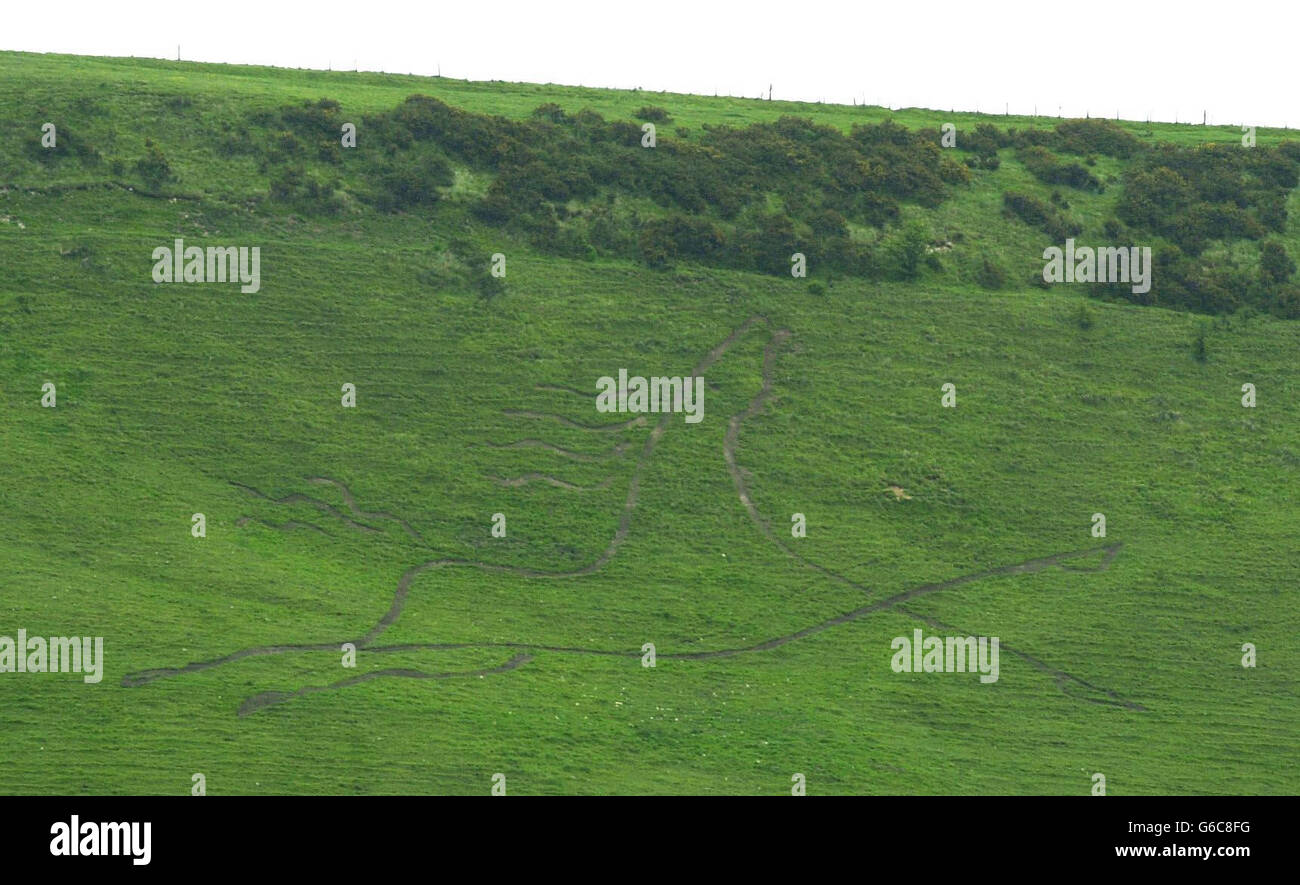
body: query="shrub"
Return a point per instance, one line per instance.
(236, 142)
(284, 147)
(66, 144)
(153, 167)
(769, 245)
(550, 112)
(656, 245)
(1036, 213)
(410, 182)
(1194, 195)
(990, 275)
(314, 119)
(1200, 350)
(1286, 303)
(1044, 166)
(1275, 265)
(714, 187)
(828, 224)
(653, 114)
(488, 286)
(1096, 136)
(984, 141)
(304, 191)
(905, 250)
(982, 161)
(1271, 212)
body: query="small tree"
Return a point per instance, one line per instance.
(906, 249)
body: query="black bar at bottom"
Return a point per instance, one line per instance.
(636, 836)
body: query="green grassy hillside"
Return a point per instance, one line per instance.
(522, 654)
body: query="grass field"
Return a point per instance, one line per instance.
(372, 524)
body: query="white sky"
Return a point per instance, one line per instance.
(1163, 60)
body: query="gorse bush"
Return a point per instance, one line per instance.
(550, 112)
(304, 191)
(1036, 213)
(577, 185)
(1275, 265)
(824, 178)
(67, 145)
(1081, 137)
(319, 118)
(990, 162)
(1047, 168)
(153, 168)
(409, 182)
(664, 239)
(984, 140)
(653, 114)
(1195, 198)
(1095, 137)
(1191, 196)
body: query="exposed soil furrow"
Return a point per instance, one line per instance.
(732, 439)
(616, 452)
(1030, 565)
(638, 421)
(361, 514)
(624, 522)
(730, 443)
(271, 698)
(404, 583)
(895, 601)
(144, 677)
(560, 388)
(323, 506)
(1064, 680)
(281, 526)
(524, 480)
(523, 646)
